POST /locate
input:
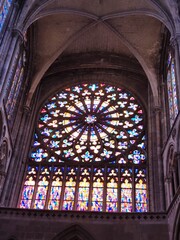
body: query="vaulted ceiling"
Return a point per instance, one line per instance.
(130, 29)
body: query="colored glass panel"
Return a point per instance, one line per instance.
(4, 10)
(42, 188)
(97, 191)
(69, 192)
(55, 194)
(97, 123)
(112, 190)
(83, 195)
(140, 190)
(126, 190)
(80, 129)
(172, 89)
(28, 189)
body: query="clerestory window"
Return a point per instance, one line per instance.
(5, 6)
(172, 88)
(89, 152)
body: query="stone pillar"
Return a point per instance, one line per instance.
(3, 163)
(171, 192)
(16, 168)
(177, 160)
(168, 186)
(174, 178)
(158, 163)
(7, 61)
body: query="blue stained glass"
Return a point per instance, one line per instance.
(4, 12)
(136, 119)
(39, 155)
(45, 118)
(93, 87)
(83, 124)
(87, 156)
(51, 105)
(110, 89)
(171, 88)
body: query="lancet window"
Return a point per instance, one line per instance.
(172, 88)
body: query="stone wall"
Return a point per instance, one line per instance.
(20, 224)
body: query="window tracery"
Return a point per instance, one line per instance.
(88, 152)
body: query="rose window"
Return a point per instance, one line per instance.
(79, 128)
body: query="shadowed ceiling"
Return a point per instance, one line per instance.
(127, 28)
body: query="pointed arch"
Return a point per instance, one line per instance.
(75, 232)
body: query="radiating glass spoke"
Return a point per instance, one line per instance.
(90, 144)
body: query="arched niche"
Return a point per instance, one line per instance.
(74, 232)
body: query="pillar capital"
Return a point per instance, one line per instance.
(175, 40)
(157, 109)
(17, 32)
(27, 109)
(177, 156)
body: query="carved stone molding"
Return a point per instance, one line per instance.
(85, 216)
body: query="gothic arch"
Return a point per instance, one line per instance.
(74, 232)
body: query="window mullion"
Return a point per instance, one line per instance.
(63, 188)
(76, 189)
(51, 169)
(133, 190)
(90, 188)
(105, 189)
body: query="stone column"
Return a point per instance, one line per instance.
(177, 160)
(158, 164)
(167, 182)
(3, 163)
(7, 61)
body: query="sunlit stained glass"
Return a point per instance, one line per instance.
(112, 190)
(28, 189)
(83, 190)
(126, 190)
(42, 188)
(55, 193)
(88, 145)
(140, 190)
(97, 191)
(171, 87)
(69, 192)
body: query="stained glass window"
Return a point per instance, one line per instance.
(15, 87)
(88, 152)
(4, 10)
(171, 87)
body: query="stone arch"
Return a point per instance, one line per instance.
(74, 232)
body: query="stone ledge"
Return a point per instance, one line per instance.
(49, 214)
